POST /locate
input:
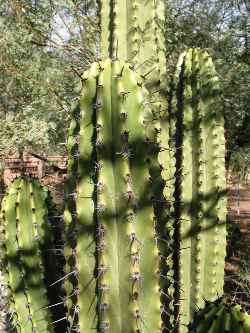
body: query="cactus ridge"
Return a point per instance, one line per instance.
(200, 209)
(220, 316)
(118, 266)
(24, 215)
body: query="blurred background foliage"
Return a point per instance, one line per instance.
(47, 44)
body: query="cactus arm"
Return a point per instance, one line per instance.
(70, 218)
(246, 323)
(237, 327)
(120, 41)
(151, 44)
(167, 160)
(118, 24)
(227, 321)
(241, 319)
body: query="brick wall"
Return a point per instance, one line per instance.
(36, 167)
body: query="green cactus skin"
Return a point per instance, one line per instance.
(200, 207)
(133, 30)
(115, 259)
(24, 215)
(220, 316)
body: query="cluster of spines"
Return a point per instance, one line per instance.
(220, 316)
(24, 215)
(199, 223)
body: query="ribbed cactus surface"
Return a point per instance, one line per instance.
(133, 30)
(112, 224)
(199, 206)
(221, 316)
(24, 217)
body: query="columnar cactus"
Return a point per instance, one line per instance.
(199, 207)
(220, 316)
(24, 217)
(114, 228)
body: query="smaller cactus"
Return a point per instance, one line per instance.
(26, 241)
(221, 317)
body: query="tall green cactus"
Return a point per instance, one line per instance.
(199, 207)
(116, 257)
(220, 316)
(24, 216)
